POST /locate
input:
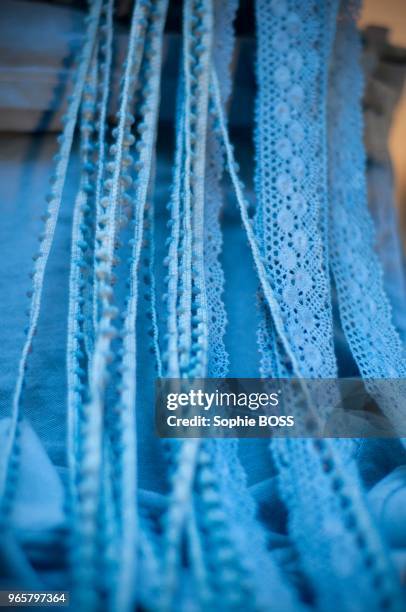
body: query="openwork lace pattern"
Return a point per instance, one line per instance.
(217, 318)
(128, 546)
(291, 189)
(364, 308)
(304, 465)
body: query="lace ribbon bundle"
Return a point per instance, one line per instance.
(206, 545)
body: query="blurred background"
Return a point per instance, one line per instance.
(28, 73)
(390, 107)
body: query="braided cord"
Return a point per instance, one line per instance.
(171, 357)
(127, 457)
(105, 77)
(188, 334)
(82, 423)
(81, 243)
(90, 472)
